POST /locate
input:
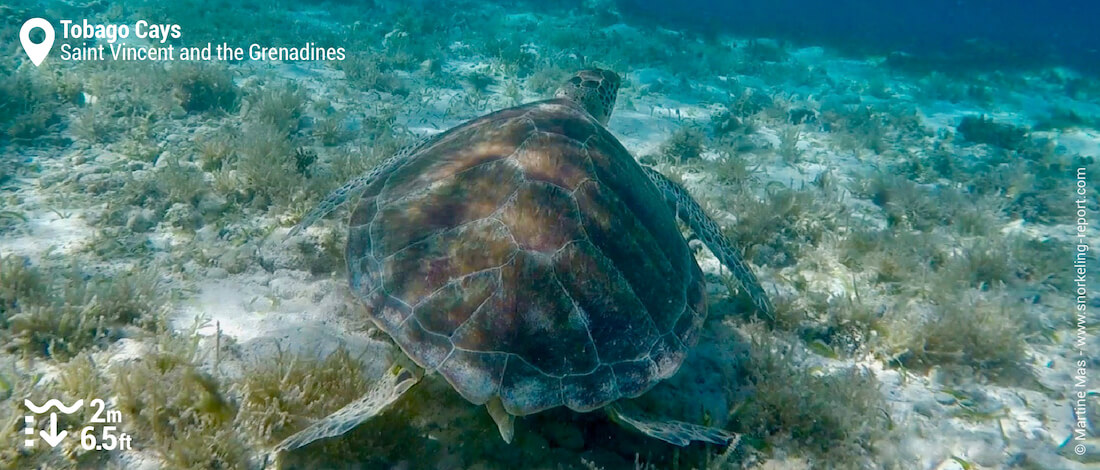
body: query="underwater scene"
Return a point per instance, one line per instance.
(591, 234)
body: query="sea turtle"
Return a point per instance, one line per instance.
(529, 260)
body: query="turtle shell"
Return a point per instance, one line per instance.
(525, 255)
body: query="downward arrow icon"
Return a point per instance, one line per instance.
(53, 438)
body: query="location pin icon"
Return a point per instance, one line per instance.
(37, 52)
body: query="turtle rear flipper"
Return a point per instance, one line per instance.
(671, 431)
(505, 422)
(380, 396)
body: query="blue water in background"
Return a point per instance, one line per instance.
(957, 33)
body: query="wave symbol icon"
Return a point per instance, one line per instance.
(53, 403)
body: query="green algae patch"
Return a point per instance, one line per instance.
(176, 408)
(684, 145)
(282, 396)
(983, 130)
(984, 329)
(204, 88)
(835, 417)
(59, 312)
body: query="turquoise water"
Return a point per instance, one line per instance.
(916, 203)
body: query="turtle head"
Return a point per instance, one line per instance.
(594, 90)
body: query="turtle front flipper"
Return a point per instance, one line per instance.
(341, 195)
(706, 229)
(671, 431)
(380, 396)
